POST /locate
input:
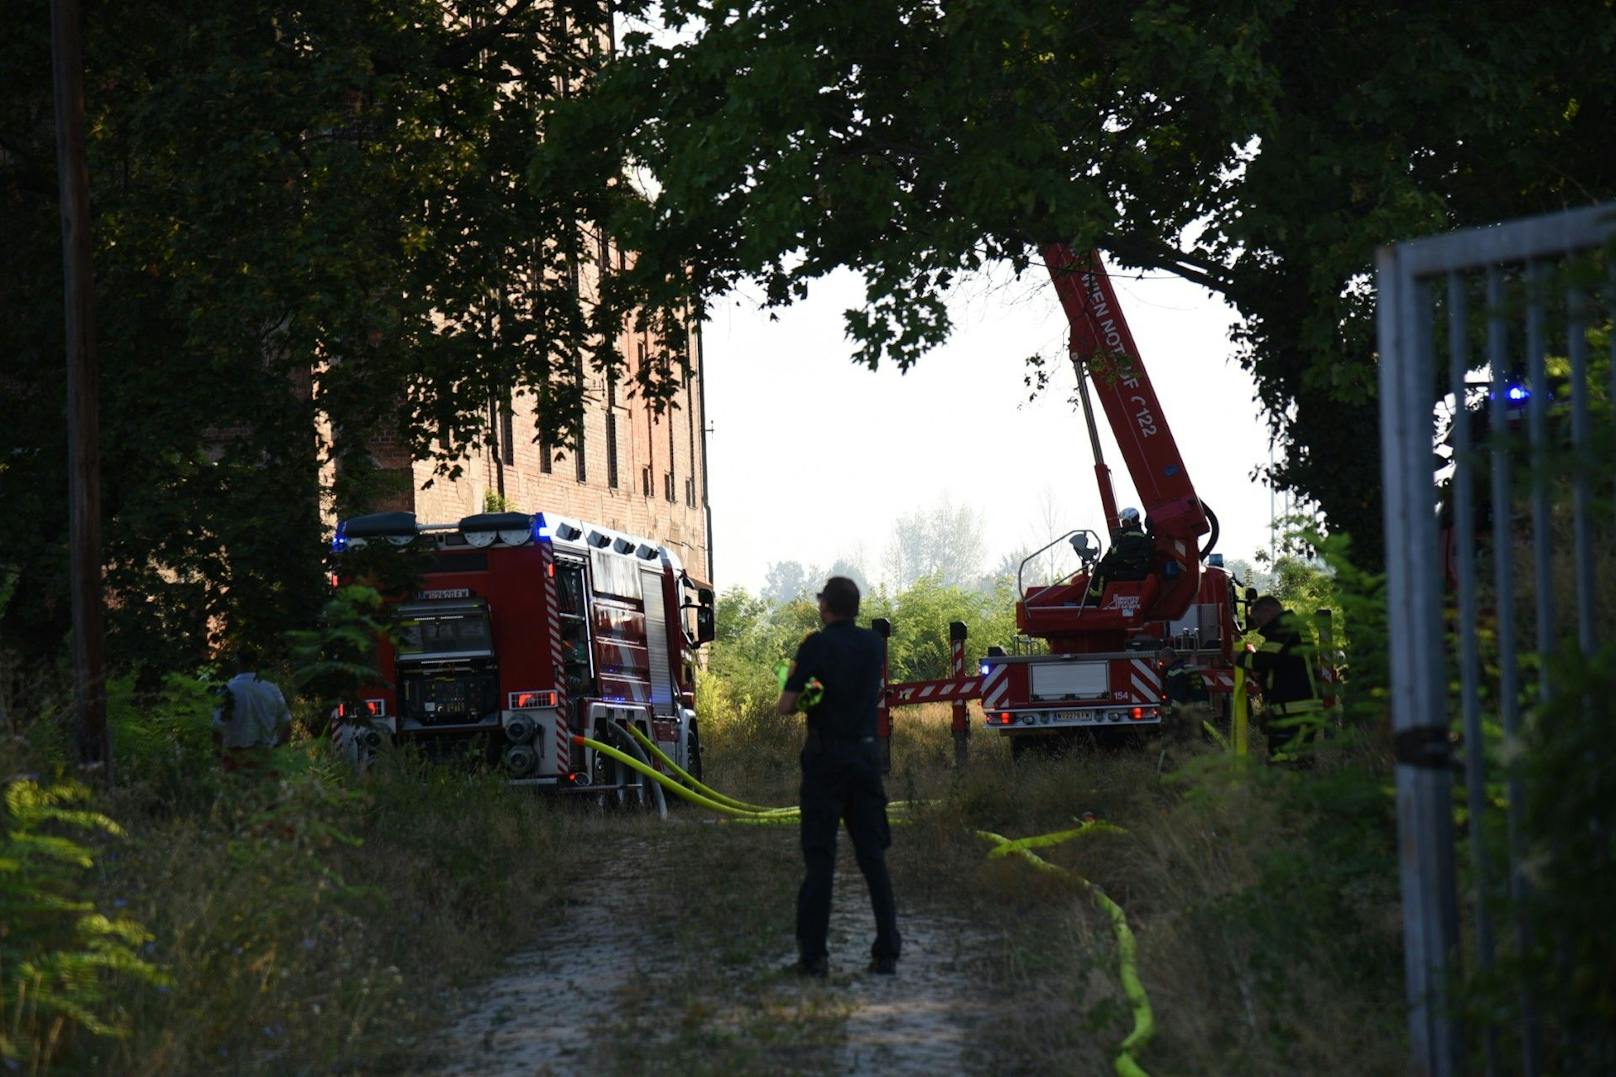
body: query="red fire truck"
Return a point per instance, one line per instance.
(527, 629)
(1096, 663)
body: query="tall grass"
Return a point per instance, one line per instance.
(308, 919)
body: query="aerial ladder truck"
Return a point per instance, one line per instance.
(1092, 657)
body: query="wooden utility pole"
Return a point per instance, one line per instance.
(83, 454)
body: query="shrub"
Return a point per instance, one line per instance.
(62, 959)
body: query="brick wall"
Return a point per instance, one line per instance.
(643, 440)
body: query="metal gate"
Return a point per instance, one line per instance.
(1488, 329)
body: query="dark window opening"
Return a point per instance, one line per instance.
(645, 480)
(611, 450)
(673, 459)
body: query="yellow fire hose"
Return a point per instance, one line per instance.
(1242, 712)
(692, 784)
(667, 782)
(711, 794)
(1039, 841)
(1144, 1021)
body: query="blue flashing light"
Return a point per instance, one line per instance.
(542, 532)
(986, 669)
(339, 541)
(1517, 393)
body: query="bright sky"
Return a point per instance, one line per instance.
(812, 459)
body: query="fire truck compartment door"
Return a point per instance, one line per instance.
(1200, 620)
(1071, 680)
(656, 642)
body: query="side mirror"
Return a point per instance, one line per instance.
(706, 627)
(1251, 595)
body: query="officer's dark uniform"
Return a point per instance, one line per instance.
(1293, 711)
(841, 779)
(1127, 559)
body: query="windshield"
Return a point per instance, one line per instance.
(452, 633)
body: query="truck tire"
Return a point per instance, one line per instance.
(693, 752)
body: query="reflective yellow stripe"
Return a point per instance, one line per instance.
(1273, 648)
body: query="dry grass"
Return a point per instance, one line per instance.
(322, 923)
(314, 923)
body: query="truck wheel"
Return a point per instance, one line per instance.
(693, 753)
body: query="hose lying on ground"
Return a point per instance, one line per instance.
(706, 796)
(1144, 1021)
(691, 781)
(666, 782)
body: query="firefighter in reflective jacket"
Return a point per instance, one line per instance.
(1293, 712)
(1186, 693)
(1127, 559)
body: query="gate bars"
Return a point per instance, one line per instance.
(1413, 279)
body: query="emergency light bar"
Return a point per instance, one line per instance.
(398, 528)
(485, 528)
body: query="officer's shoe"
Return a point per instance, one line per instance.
(817, 967)
(884, 966)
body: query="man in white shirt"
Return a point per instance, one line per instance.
(251, 718)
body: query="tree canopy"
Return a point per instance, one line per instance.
(304, 219)
(1261, 149)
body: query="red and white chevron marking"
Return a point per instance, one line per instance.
(552, 614)
(1146, 680)
(1218, 680)
(995, 687)
(563, 746)
(950, 688)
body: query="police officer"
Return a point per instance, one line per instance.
(1127, 559)
(841, 776)
(1293, 712)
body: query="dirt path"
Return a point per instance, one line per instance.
(566, 1004)
(919, 1021)
(542, 1012)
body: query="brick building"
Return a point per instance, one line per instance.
(633, 471)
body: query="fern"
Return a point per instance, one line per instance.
(58, 954)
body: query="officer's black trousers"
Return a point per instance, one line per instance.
(842, 780)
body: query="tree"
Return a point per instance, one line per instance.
(785, 581)
(853, 568)
(306, 219)
(944, 542)
(1261, 151)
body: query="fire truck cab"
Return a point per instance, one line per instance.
(525, 630)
